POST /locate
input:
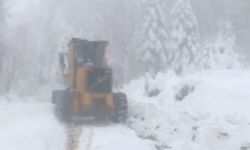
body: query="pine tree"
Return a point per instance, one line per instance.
(220, 53)
(148, 49)
(185, 38)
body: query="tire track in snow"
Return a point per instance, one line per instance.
(112, 136)
(75, 133)
(73, 136)
(89, 140)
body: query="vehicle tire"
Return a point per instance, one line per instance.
(63, 105)
(119, 114)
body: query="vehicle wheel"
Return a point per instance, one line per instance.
(63, 105)
(119, 114)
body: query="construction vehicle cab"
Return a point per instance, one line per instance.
(89, 84)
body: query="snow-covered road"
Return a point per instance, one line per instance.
(32, 126)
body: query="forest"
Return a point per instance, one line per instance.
(144, 36)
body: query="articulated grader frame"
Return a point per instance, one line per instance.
(89, 85)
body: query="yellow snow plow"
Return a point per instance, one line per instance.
(88, 81)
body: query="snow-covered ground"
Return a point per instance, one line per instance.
(208, 110)
(212, 114)
(27, 125)
(112, 137)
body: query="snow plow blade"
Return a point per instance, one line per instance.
(99, 110)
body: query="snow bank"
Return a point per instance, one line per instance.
(212, 113)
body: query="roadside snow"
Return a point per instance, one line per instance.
(29, 126)
(212, 115)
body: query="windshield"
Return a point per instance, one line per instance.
(99, 80)
(89, 53)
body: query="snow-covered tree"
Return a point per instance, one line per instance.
(220, 53)
(1, 34)
(148, 49)
(185, 38)
(119, 31)
(30, 48)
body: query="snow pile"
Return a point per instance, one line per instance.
(208, 110)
